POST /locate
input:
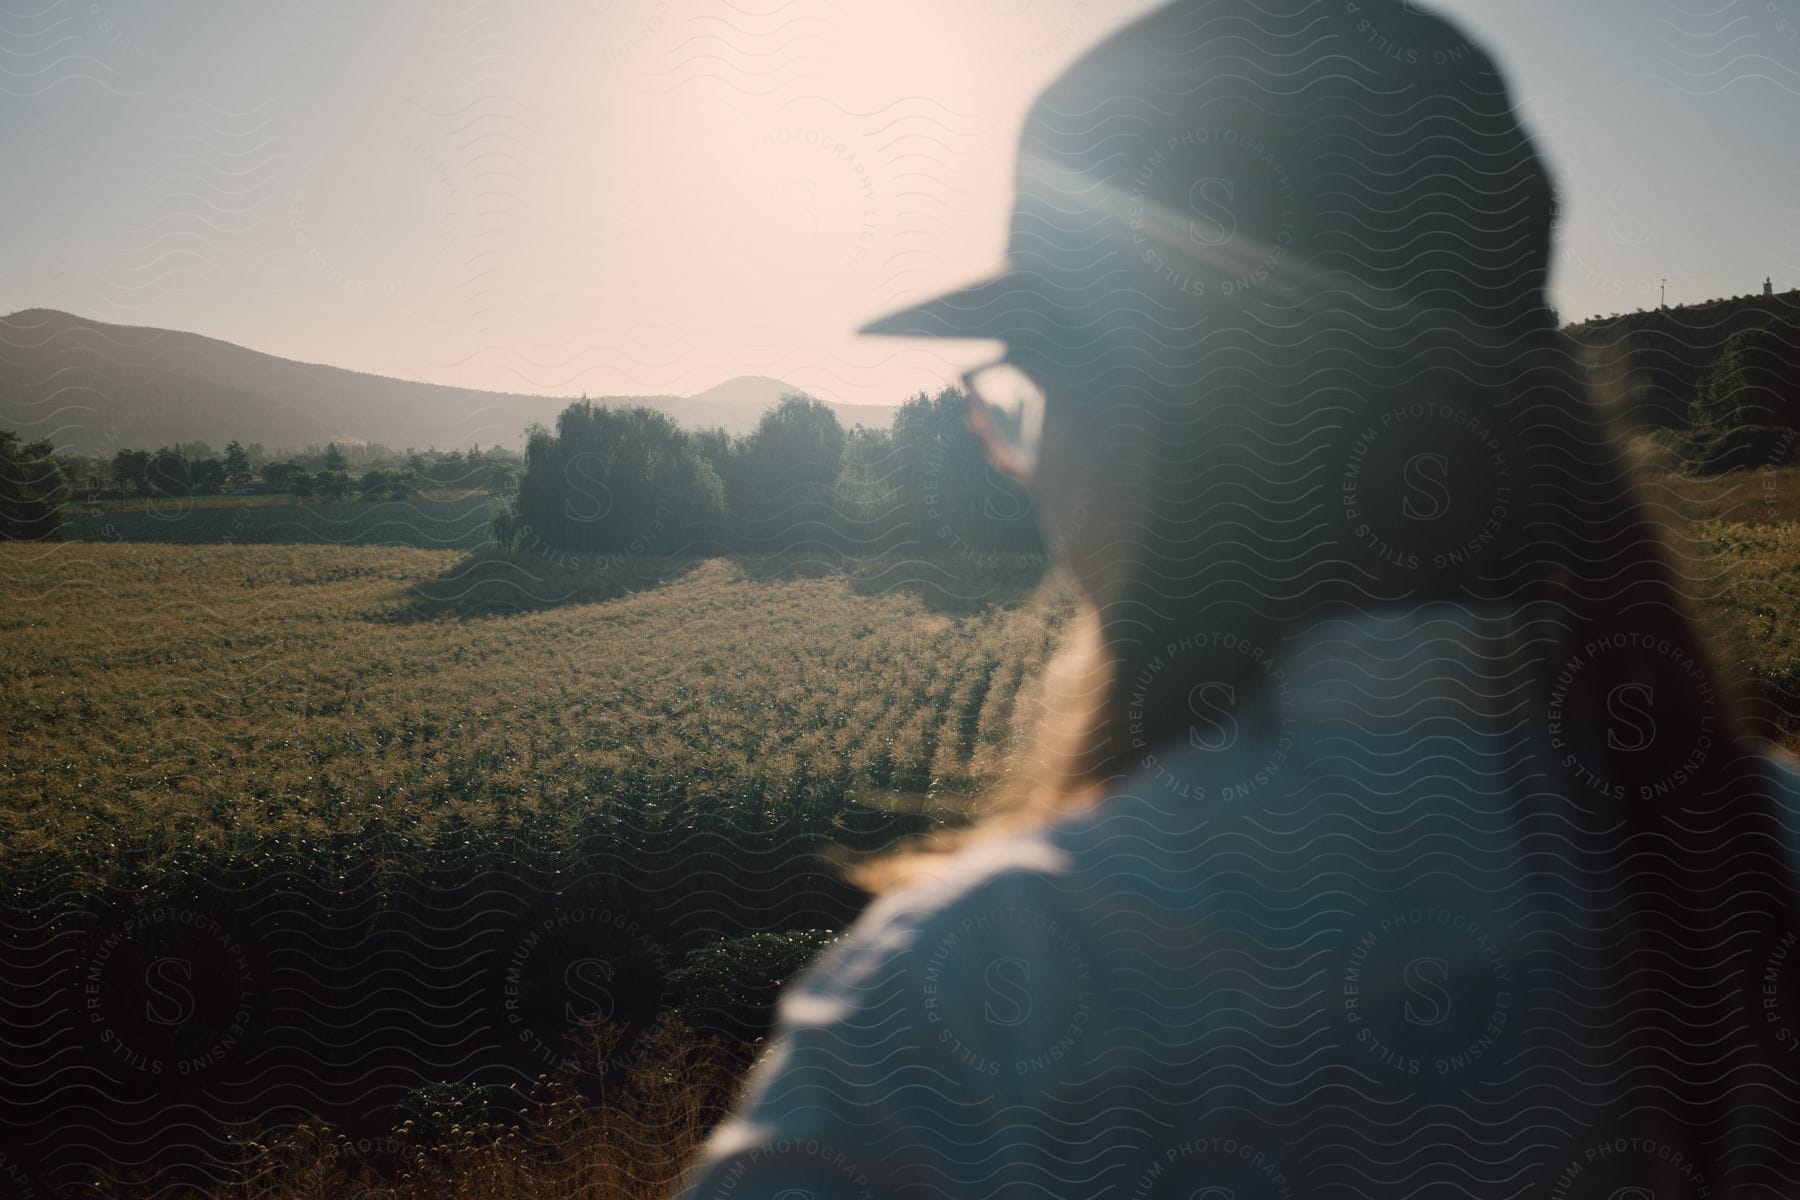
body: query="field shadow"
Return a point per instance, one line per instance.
(947, 585)
(495, 583)
(952, 586)
(491, 582)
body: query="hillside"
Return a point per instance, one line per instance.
(93, 387)
(1667, 350)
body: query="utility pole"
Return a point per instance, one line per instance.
(1664, 302)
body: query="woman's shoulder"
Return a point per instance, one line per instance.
(1784, 769)
(972, 898)
(1042, 890)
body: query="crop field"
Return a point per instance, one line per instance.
(432, 523)
(419, 808)
(211, 697)
(83, 504)
(203, 699)
(339, 760)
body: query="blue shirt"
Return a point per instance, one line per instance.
(1344, 952)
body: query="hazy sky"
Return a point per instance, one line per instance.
(651, 196)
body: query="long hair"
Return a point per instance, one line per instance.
(1389, 328)
(1680, 836)
(1582, 552)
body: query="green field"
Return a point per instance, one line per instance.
(167, 698)
(389, 771)
(85, 505)
(433, 523)
(211, 698)
(383, 770)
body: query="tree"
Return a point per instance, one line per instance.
(781, 480)
(32, 489)
(206, 477)
(131, 469)
(956, 502)
(281, 476)
(451, 471)
(868, 488)
(82, 472)
(1746, 410)
(502, 474)
(715, 446)
(237, 465)
(168, 474)
(334, 459)
(799, 441)
(331, 485)
(503, 525)
(613, 480)
(388, 483)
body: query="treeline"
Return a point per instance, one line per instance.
(1656, 361)
(37, 482)
(621, 481)
(1746, 409)
(330, 472)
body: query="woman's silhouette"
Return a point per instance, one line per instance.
(1394, 832)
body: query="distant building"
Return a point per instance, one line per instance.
(1768, 286)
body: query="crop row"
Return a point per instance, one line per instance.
(218, 696)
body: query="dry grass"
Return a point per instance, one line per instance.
(1746, 583)
(635, 1145)
(1765, 497)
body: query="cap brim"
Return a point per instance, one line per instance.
(978, 310)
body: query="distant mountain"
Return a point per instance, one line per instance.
(93, 387)
(1666, 351)
(737, 404)
(725, 404)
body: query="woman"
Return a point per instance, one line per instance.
(1392, 829)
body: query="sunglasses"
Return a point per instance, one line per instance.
(1006, 411)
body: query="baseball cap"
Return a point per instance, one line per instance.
(1223, 158)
